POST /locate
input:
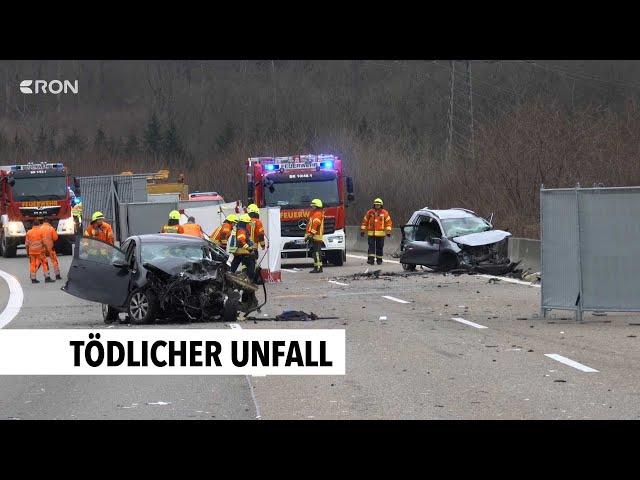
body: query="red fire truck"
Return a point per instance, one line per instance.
(291, 183)
(34, 190)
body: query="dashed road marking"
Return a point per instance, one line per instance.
(14, 303)
(467, 322)
(571, 363)
(366, 258)
(290, 270)
(338, 283)
(394, 299)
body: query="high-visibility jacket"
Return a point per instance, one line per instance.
(192, 229)
(33, 242)
(221, 234)
(376, 222)
(256, 233)
(315, 225)
(172, 229)
(49, 236)
(76, 211)
(239, 242)
(104, 232)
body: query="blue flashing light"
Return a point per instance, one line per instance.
(270, 167)
(327, 165)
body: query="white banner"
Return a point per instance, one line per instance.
(172, 352)
(271, 220)
(209, 217)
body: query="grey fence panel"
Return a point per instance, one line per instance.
(610, 248)
(96, 196)
(149, 217)
(559, 251)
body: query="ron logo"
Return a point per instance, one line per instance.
(54, 87)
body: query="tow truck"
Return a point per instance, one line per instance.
(291, 183)
(35, 190)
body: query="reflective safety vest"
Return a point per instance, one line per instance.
(172, 229)
(238, 244)
(192, 229)
(104, 232)
(377, 223)
(315, 226)
(49, 235)
(33, 242)
(221, 234)
(256, 233)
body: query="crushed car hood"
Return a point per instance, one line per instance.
(174, 266)
(482, 238)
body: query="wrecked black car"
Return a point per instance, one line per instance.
(454, 239)
(159, 276)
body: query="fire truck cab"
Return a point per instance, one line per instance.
(34, 190)
(291, 183)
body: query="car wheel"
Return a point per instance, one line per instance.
(142, 307)
(409, 267)
(231, 307)
(109, 314)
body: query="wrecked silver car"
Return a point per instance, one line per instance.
(160, 276)
(454, 239)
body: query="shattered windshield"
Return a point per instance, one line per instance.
(154, 253)
(455, 227)
(300, 194)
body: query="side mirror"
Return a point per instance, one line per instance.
(250, 192)
(351, 197)
(119, 263)
(12, 182)
(350, 191)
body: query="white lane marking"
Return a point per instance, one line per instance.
(14, 303)
(290, 270)
(394, 299)
(236, 326)
(509, 280)
(571, 363)
(366, 258)
(338, 283)
(382, 318)
(467, 322)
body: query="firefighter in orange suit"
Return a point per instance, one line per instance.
(221, 235)
(49, 238)
(256, 229)
(36, 251)
(240, 245)
(313, 235)
(376, 224)
(99, 229)
(192, 228)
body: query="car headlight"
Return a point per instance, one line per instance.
(336, 238)
(16, 228)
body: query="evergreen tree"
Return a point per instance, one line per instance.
(172, 145)
(153, 136)
(4, 143)
(74, 142)
(224, 140)
(41, 141)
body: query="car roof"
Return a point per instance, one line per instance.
(450, 213)
(170, 238)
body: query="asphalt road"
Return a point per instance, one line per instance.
(406, 356)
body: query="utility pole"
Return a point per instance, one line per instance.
(460, 129)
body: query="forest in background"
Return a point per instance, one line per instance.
(555, 123)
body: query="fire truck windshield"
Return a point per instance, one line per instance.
(300, 194)
(40, 188)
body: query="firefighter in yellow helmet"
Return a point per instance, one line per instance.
(221, 234)
(313, 235)
(100, 229)
(173, 226)
(241, 246)
(376, 224)
(256, 229)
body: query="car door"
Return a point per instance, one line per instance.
(98, 273)
(421, 242)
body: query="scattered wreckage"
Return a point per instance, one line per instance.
(454, 239)
(160, 276)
